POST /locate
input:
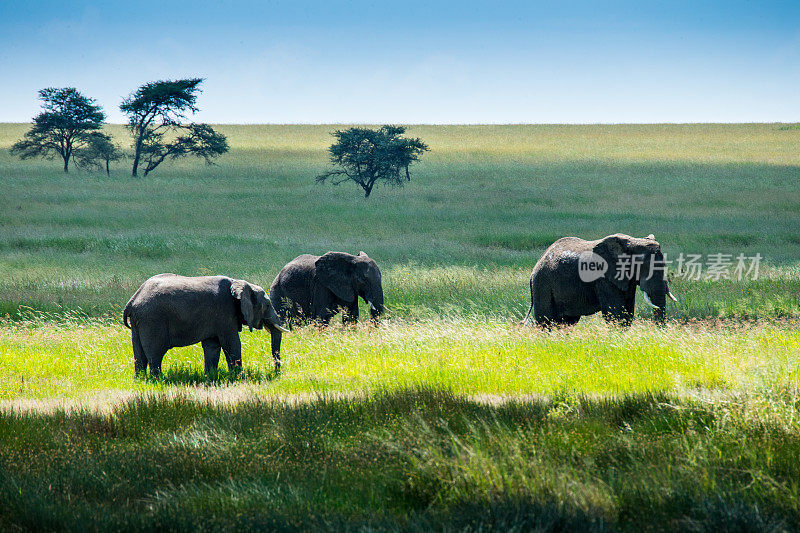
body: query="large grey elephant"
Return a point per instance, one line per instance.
(170, 310)
(575, 278)
(315, 288)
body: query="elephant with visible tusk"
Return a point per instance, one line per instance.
(170, 310)
(575, 278)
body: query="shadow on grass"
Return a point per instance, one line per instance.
(418, 459)
(189, 375)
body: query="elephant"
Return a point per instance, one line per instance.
(576, 278)
(314, 288)
(170, 310)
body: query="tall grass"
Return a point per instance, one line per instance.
(481, 208)
(468, 356)
(414, 459)
(446, 417)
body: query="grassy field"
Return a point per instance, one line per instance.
(418, 459)
(462, 236)
(448, 415)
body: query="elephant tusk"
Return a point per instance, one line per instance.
(672, 297)
(648, 302)
(371, 306)
(281, 328)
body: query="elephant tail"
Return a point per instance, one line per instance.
(129, 307)
(126, 313)
(527, 317)
(530, 309)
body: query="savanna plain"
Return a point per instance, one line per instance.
(447, 415)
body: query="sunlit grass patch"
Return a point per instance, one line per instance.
(192, 375)
(475, 356)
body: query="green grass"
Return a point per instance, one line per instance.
(466, 356)
(448, 416)
(463, 356)
(480, 209)
(414, 459)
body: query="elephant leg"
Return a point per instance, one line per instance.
(155, 362)
(322, 317)
(350, 313)
(323, 306)
(155, 351)
(276, 348)
(612, 303)
(630, 305)
(232, 346)
(291, 315)
(544, 309)
(568, 320)
(279, 303)
(211, 349)
(139, 357)
(155, 345)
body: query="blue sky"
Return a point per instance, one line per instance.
(416, 62)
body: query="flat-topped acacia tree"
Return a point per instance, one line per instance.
(65, 125)
(160, 108)
(366, 156)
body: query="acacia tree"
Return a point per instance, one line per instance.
(366, 156)
(157, 112)
(64, 126)
(100, 150)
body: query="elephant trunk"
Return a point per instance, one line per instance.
(272, 321)
(654, 286)
(375, 301)
(658, 301)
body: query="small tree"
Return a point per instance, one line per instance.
(100, 151)
(65, 125)
(199, 140)
(366, 156)
(156, 112)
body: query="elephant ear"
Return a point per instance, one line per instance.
(610, 249)
(242, 291)
(335, 271)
